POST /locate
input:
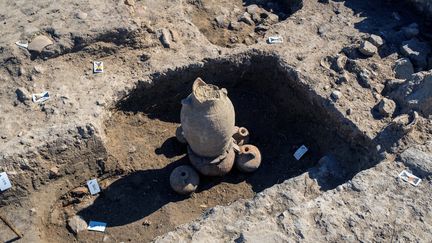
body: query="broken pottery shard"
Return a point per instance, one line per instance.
(300, 152)
(275, 40)
(41, 97)
(93, 186)
(39, 43)
(97, 226)
(248, 159)
(410, 178)
(4, 182)
(22, 43)
(184, 179)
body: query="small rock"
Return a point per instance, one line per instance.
(386, 107)
(411, 30)
(79, 191)
(77, 224)
(165, 38)
(364, 79)
(272, 18)
(130, 2)
(376, 40)
(403, 68)
(336, 95)
(234, 25)
(81, 15)
(39, 43)
(419, 162)
(349, 111)
(368, 49)
(341, 61)
(54, 172)
(322, 30)
(38, 69)
(221, 21)
(261, 27)
(253, 8)
(175, 36)
(256, 18)
(22, 94)
(342, 78)
(246, 17)
(417, 51)
(146, 223)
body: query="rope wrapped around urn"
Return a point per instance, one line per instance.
(208, 127)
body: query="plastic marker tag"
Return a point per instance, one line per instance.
(300, 152)
(410, 178)
(98, 67)
(97, 226)
(275, 40)
(38, 98)
(4, 182)
(93, 186)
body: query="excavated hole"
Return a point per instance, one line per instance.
(279, 111)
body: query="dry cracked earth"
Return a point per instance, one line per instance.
(351, 80)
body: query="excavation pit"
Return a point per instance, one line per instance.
(270, 100)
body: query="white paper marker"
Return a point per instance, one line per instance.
(410, 178)
(93, 186)
(97, 226)
(4, 182)
(300, 152)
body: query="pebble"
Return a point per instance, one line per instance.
(234, 25)
(81, 15)
(23, 94)
(39, 43)
(38, 69)
(246, 17)
(386, 107)
(403, 68)
(272, 18)
(165, 38)
(376, 40)
(364, 79)
(349, 111)
(77, 224)
(221, 21)
(336, 95)
(256, 18)
(253, 8)
(368, 49)
(79, 191)
(54, 172)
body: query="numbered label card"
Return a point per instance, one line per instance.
(93, 186)
(4, 182)
(300, 152)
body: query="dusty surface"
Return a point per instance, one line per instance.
(315, 88)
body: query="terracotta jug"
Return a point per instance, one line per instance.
(207, 119)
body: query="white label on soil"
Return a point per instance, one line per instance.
(300, 152)
(97, 226)
(93, 186)
(410, 178)
(275, 40)
(98, 67)
(4, 182)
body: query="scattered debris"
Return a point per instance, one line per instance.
(410, 178)
(368, 49)
(39, 43)
(77, 224)
(4, 182)
(41, 97)
(22, 44)
(275, 40)
(98, 67)
(300, 152)
(97, 226)
(93, 186)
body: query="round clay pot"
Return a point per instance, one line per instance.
(184, 179)
(217, 166)
(249, 158)
(241, 136)
(179, 135)
(207, 119)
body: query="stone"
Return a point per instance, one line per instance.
(403, 68)
(38, 69)
(272, 18)
(417, 51)
(368, 49)
(165, 38)
(336, 95)
(418, 161)
(39, 43)
(81, 15)
(23, 94)
(76, 224)
(54, 172)
(246, 18)
(130, 2)
(256, 18)
(234, 25)
(386, 107)
(415, 93)
(80, 191)
(411, 30)
(253, 8)
(221, 21)
(364, 79)
(376, 40)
